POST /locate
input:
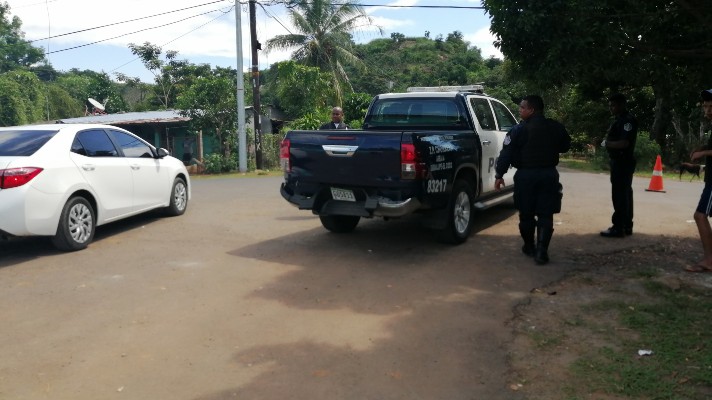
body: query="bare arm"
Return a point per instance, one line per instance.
(697, 154)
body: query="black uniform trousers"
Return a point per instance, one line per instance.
(622, 193)
(537, 193)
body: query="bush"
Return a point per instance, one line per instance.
(310, 121)
(214, 163)
(646, 152)
(579, 143)
(355, 107)
(270, 151)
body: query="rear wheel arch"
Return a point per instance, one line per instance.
(459, 214)
(77, 223)
(90, 198)
(471, 175)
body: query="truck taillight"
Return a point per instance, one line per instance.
(14, 177)
(284, 156)
(411, 165)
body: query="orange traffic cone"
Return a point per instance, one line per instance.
(656, 181)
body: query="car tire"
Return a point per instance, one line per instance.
(339, 223)
(179, 198)
(77, 225)
(459, 214)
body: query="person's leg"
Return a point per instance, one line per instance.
(703, 227)
(544, 232)
(702, 212)
(628, 228)
(527, 227)
(547, 203)
(628, 218)
(524, 201)
(620, 193)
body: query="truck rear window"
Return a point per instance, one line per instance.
(18, 143)
(416, 113)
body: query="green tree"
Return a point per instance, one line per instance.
(15, 51)
(82, 85)
(21, 98)
(210, 102)
(399, 62)
(355, 107)
(61, 104)
(323, 37)
(169, 73)
(299, 90)
(609, 45)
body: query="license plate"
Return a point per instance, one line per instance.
(342, 194)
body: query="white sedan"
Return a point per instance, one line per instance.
(65, 180)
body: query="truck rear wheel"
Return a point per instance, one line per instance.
(459, 214)
(339, 223)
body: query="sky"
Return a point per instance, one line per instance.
(204, 31)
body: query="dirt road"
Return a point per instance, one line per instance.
(246, 297)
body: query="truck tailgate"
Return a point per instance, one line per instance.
(361, 158)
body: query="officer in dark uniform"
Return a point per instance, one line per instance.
(620, 143)
(533, 147)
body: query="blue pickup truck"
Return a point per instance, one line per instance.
(430, 151)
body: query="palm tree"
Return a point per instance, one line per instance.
(323, 37)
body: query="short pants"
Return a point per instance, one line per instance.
(705, 205)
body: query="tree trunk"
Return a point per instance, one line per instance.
(663, 115)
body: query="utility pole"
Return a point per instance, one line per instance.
(241, 136)
(256, 85)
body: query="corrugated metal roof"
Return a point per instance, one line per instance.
(146, 117)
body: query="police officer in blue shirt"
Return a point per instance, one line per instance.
(533, 147)
(620, 143)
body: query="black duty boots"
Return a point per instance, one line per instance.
(526, 230)
(543, 237)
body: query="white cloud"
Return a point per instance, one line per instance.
(484, 39)
(388, 24)
(68, 16)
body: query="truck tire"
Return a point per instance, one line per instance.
(339, 223)
(77, 224)
(459, 214)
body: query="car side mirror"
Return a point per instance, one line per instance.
(163, 153)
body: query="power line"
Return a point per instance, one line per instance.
(126, 21)
(274, 17)
(176, 38)
(33, 4)
(130, 33)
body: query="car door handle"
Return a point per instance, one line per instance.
(135, 167)
(88, 167)
(486, 142)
